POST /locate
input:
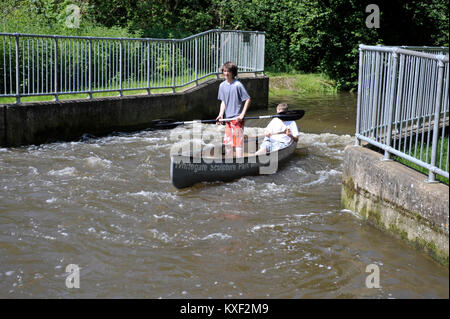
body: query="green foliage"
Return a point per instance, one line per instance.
(51, 16)
(300, 84)
(309, 36)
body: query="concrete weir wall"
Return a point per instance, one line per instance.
(396, 199)
(41, 122)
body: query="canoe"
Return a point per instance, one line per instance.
(205, 166)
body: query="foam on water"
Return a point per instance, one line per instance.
(220, 236)
(108, 204)
(96, 162)
(68, 171)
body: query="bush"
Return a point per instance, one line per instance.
(308, 36)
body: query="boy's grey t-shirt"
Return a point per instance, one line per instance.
(233, 95)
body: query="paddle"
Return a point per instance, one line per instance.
(169, 123)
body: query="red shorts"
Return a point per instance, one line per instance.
(234, 133)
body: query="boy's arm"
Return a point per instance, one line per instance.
(221, 112)
(293, 133)
(244, 110)
(295, 138)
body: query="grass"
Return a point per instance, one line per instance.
(426, 153)
(293, 83)
(281, 84)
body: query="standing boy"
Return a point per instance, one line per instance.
(235, 103)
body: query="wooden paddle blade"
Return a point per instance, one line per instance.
(164, 124)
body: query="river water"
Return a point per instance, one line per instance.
(107, 205)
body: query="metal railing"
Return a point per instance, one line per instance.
(32, 65)
(403, 104)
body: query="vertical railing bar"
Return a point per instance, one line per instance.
(90, 69)
(422, 112)
(133, 74)
(28, 66)
(399, 97)
(66, 74)
(70, 65)
(430, 115)
(32, 66)
(56, 69)
(120, 66)
(173, 66)
(408, 102)
(381, 130)
(23, 66)
(217, 66)
(431, 175)
(359, 96)
(46, 66)
(42, 65)
(77, 68)
(414, 102)
(380, 97)
(375, 97)
(125, 65)
(17, 71)
(51, 66)
(391, 102)
(102, 64)
(196, 60)
(446, 77)
(415, 121)
(148, 67)
(4, 66)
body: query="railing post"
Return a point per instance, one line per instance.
(394, 78)
(148, 67)
(196, 60)
(378, 61)
(56, 68)
(17, 71)
(217, 55)
(358, 103)
(238, 48)
(90, 69)
(173, 66)
(120, 67)
(255, 65)
(437, 111)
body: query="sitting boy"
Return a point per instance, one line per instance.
(278, 133)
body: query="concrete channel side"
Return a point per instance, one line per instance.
(396, 199)
(2, 126)
(42, 122)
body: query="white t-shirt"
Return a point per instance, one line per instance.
(277, 125)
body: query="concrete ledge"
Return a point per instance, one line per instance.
(41, 122)
(396, 199)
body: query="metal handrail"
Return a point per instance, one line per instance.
(403, 104)
(32, 65)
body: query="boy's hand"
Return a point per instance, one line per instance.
(240, 118)
(218, 122)
(288, 131)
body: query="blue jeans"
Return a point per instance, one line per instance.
(271, 145)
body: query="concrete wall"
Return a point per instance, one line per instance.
(41, 122)
(2, 125)
(396, 199)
